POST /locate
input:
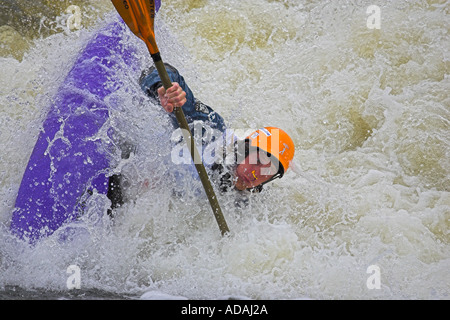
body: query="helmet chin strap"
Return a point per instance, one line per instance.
(259, 187)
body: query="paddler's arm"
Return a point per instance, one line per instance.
(175, 97)
(193, 108)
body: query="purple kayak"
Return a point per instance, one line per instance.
(68, 161)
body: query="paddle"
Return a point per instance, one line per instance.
(139, 15)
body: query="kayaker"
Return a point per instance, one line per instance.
(244, 165)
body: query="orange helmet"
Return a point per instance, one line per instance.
(276, 142)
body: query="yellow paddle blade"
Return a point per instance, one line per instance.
(139, 15)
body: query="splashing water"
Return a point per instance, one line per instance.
(368, 110)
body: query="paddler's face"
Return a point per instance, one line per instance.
(255, 169)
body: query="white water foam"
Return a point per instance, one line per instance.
(368, 112)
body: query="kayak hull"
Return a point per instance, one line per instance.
(70, 161)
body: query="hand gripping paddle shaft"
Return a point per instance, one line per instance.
(139, 15)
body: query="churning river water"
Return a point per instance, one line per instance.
(363, 89)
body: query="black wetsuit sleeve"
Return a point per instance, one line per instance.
(115, 193)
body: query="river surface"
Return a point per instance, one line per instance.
(362, 90)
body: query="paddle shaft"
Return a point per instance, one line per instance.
(139, 16)
(194, 152)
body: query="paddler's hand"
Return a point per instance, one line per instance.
(172, 97)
